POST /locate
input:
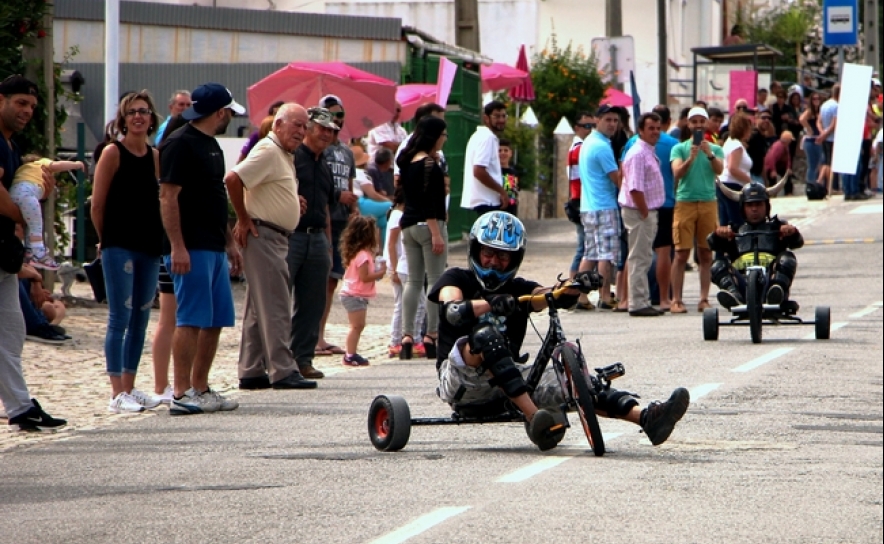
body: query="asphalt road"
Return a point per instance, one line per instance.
(782, 442)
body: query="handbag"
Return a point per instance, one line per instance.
(95, 275)
(12, 253)
(572, 210)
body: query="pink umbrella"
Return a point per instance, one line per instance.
(413, 96)
(369, 100)
(525, 91)
(616, 98)
(501, 77)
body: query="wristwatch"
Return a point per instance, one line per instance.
(711, 157)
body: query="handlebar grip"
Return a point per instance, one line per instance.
(542, 296)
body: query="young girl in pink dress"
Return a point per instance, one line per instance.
(359, 242)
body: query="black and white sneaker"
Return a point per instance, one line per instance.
(776, 294)
(35, 419)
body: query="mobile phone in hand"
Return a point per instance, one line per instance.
(698, 137)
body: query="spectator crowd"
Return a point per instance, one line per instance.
(313, 212)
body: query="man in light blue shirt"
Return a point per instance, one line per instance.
(827, 120)
(179, 102)
(599, 187)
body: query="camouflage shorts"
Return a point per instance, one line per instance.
(463, 386)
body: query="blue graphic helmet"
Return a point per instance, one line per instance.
(501, 231)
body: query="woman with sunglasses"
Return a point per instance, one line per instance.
(423, 227)
(126, 215)
(811, 147)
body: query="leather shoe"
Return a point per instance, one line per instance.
(258, 382)
(645, 312)
(294, 381)
(311, 373)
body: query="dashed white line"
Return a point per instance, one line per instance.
(421, 524)
(702, 390)
(755, 363)
(533, 469)
(865, 311)
(833, 327)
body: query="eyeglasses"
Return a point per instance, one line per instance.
(503, 257)
(139, 111)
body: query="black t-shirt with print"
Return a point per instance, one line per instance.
(194, 161)
(513, 326)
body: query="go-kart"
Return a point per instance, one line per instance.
(755, 313)
(390, 421)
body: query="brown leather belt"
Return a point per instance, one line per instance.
(272, 226)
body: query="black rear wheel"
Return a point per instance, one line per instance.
(578, 377)
(710, 324)
(753, 305)
(822, 322)
(389, 422)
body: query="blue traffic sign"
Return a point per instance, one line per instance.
(839, 22)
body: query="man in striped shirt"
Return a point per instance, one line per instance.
(641, 194)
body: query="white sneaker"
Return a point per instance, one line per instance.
(225, 404)
(124, 403)
(148, 401)
(167, 395)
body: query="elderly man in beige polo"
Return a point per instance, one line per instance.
(264, 192)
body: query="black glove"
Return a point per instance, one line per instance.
(502, 305)
(588, 280)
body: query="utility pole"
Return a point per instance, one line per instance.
(662, 55)
(613, 18)
(872, 34)
(466, 24)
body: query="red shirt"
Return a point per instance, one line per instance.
(573, 170)
(777, 159)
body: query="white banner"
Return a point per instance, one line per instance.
(856, 82)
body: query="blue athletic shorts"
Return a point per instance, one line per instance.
(204, 295)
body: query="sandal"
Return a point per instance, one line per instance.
(334, 350)
(319, 352)
(678, 308)
(405, 352)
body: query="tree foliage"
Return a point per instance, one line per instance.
(566, 82)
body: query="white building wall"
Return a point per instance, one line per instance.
(315, 6)
(155, 44)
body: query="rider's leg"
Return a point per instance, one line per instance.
(657, 419)
(782, 272)
(723, 276)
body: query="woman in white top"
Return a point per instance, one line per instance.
(736, 170)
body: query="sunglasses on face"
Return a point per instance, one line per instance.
(338, 114)
(587, 125)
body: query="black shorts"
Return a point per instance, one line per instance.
(826, 158)
(664, 228)
(165, 284)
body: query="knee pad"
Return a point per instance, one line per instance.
(616, 403)
(488, 341)
(507, 377)
(719, 270)
(786, 264)
(459, 312)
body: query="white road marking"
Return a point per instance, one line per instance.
(865, 311)
(702, 390)
(421, 524)
(755, 363)
(868, 208)
(833, 327)
(533, 469)
(522, 474)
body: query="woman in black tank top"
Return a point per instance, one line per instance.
(126, 215)
(812, 148)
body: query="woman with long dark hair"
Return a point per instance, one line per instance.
(423, 226)
(812, 148)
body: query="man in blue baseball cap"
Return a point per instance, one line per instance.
(199, 251)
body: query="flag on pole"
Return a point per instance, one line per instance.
(636, 101)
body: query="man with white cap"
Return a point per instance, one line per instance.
(695, 164)
(197, 245)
